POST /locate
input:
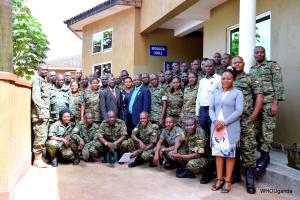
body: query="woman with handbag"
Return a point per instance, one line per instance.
(225, 109)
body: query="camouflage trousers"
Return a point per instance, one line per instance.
(54, 146)
(145, 155)
(265, 126)
(90, 150)
(40, 131)
(247, 142)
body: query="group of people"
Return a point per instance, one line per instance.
(209, 117)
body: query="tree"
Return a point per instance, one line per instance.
(236, 40)
(30, 43)
(5, 36)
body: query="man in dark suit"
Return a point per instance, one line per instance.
(139, 101)
(110, 99)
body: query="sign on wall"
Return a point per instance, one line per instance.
(158, 50)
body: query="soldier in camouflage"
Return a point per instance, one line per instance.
(144, 137)
(84, 138)
(75, 102)
(218, 65)
(184, 80)
(40, 114)
(90, 101)
(104, 82)
(113, 133)
(59, 98)
(253, 100)
(162, 80)
(168, 80)
(190, 97)
(59, 137)
(118, 82)
(174, 100)
(270, 75)
(146, 79)
(165, 146)
(67, 79)
(51, 80)
(84, 85)
(157, 93)
(193, 160)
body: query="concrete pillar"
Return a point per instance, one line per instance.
(247, 31)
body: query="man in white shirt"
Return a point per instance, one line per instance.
(207, 86)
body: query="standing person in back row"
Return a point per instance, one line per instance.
(270, 75)
(139, 101)
(218, 65)
(40, 114)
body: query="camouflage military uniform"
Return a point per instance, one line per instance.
(40, 106)
(156, 103)
(121, 86)
(148, 136)
(270, 75)
(189, 102)
(196, 144)
(91, 101)
(90, 135)
(59, 130)
(200, 75)
(175, 103)
(59, 99)
(113, 133)
(219, 69)
(171, 137)
(250, 87)
(75, 106)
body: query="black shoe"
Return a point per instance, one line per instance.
(151, 164)
(104, 161)
(179, 170)
(250, 177)
(137, 162)
(206, 178)
(186, 174)
(76, 161)
(54, 162)
(263, 162)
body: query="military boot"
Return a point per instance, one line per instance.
(186, 174)
(263, 162)
(137, 162)
(206, 176)
(54, 162)
(250, 177)
(76, 161)
(38, 161)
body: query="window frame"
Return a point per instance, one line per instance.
(235, 28)
(101, 38)
(103, 63)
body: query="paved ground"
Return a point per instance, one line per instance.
(90, 181)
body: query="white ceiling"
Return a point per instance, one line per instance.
(192, 18)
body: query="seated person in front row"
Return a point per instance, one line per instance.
(193, 161)
(59, 140)
(84, 139)
(144, 137)
(166, 144)
(113, 133)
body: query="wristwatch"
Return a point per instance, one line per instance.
(105, 143)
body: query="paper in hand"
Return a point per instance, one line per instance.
(125, 158)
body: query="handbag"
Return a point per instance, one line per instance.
(294, 156)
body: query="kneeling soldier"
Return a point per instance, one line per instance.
(113, 133)
(59, 137)
(84, 139)
(192, 161)
(166, 144)
(144, 136)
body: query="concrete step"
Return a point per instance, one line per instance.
(280, 176)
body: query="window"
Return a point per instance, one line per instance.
(263, 35)
(102, 68)
(102, 41)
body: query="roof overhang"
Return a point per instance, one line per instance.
(103, 10)
(191, 19)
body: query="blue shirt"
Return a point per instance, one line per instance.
(135, 91)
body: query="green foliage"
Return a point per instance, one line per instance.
(30, 43)
(235, 42)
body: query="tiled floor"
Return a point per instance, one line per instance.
(89, 181)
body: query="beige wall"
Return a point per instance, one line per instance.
(123, 25)
(284, 49)
(15, 132)
(156, 12)
(183, 49)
